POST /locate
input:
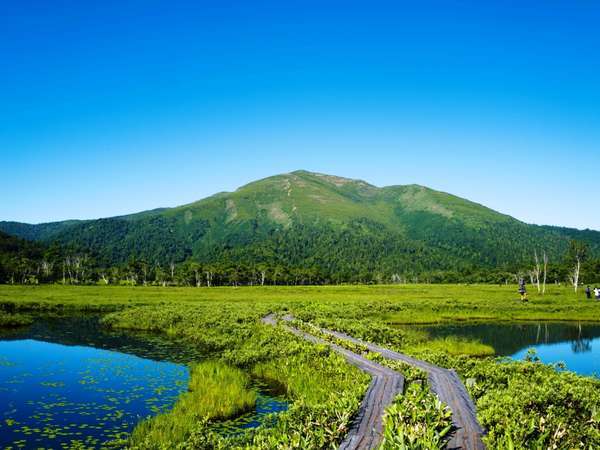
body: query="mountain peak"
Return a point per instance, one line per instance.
(332, 179)
(301, 217)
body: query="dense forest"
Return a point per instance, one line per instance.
(299, 228)
(25, 262)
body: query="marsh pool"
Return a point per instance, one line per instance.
(54, 394)
(67, 382)
(575, 344)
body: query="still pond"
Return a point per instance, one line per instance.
(577, 345)
(68, 382)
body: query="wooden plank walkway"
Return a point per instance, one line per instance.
(446, 385)
(366, 430)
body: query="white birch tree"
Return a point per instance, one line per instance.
(537, 271)
(577, 254)
(545, 260)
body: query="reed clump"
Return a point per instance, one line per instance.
(216, 391)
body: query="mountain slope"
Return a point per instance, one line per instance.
(305, 219)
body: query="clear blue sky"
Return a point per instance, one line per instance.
(113, 107)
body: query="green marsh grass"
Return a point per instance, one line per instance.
(216, 391)
(417, 420)
(455, 345)
(397, 304)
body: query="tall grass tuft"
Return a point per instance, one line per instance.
(456, 345)
(216, 391)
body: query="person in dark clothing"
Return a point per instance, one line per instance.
(588, 292)
(522, 290)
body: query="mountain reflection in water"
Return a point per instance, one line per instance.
(575, 344)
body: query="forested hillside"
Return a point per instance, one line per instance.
(16, 256)
(317, 227)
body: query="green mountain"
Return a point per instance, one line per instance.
(307, 220)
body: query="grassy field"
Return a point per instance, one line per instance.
(402, 304)
(521, 404)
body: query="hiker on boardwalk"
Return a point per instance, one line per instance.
(522, 290)
(588, 292)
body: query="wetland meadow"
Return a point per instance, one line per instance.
(195, 368)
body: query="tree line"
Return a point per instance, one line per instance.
(25, 262)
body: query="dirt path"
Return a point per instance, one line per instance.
(443, 382)
(366, 430)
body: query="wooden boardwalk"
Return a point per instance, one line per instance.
(447, 386)
(366, 430)
(443, 382)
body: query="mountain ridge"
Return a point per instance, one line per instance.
(303, 219)
(134, 215)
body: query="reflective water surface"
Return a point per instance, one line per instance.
(56, 394)
(575, 344)
(67, 381)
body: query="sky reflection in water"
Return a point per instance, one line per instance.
(575, 344)
(55, 394)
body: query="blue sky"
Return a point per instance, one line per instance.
(114, 107)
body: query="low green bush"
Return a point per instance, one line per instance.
(417, 420)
